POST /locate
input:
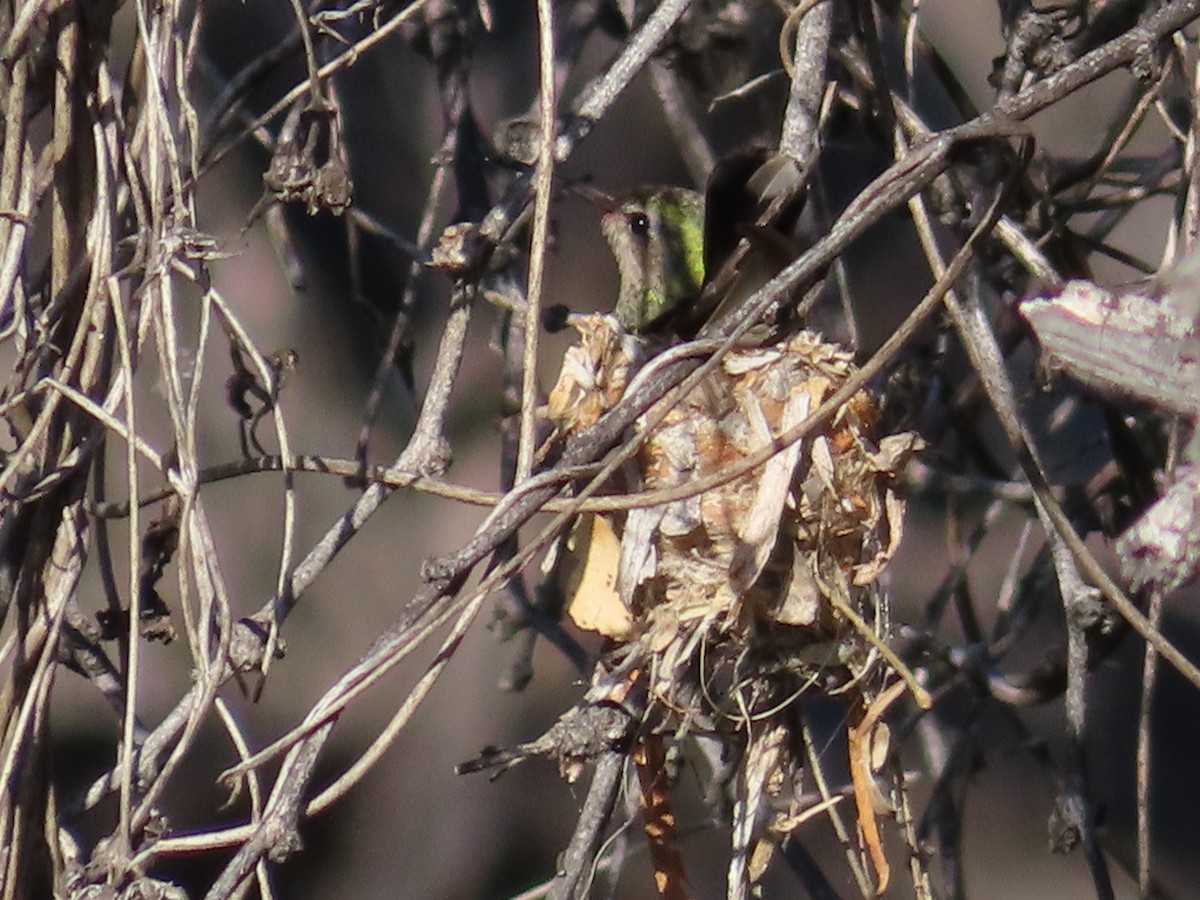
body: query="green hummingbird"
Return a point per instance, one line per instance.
(678, 253)
(657, 238)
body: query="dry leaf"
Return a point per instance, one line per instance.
(594, 603)
(658, 819)
(592, 378)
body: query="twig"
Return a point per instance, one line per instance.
(693, 145)
(543, 181)
(798, 139)
(598, 96)
(574, 872)
(347, 57)
(1144, 757)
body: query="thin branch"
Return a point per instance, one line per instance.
(543, 181)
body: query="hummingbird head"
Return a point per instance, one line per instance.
(657, 238)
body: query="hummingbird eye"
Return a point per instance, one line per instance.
(638, 224)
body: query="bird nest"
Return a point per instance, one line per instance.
(751, 576)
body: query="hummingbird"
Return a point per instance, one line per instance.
(656, 235)
(686, 258)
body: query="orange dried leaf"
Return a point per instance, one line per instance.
(864, 789)
(594, 603)
(659, 819)
(865, 745)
